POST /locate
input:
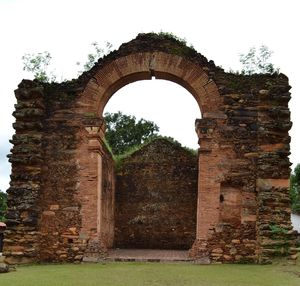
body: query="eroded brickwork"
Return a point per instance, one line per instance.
(254, 145)
(61, 198)
(21, 238)
(156, 198)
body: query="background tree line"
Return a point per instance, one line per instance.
(3, 205)
(295, 190)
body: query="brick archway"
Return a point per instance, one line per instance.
(140, 66)
(60, 205)
(143, 66)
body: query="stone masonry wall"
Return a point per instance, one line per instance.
(21, 244)
(60, 221)
(275, 233)
(254, 202)
(156, 198)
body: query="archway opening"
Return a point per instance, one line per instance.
(157, 184)
(166, 103)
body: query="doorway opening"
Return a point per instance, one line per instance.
(156, 186)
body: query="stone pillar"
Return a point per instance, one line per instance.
(275, 234)
(99, 193)
(97, 204)
(21, 237)
(90, 162)
(208, 179)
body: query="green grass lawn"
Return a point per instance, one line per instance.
(153, 274)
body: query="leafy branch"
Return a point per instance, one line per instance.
(38, 65)
(97, 54)
(257, 61)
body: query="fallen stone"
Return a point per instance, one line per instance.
(4, 268)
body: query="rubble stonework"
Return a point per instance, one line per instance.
(157, 181)
(61, 202)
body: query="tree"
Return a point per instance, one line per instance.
(38, 65)
(257, 61)
(97, 54)
(295, 189)
(3, 206)
(124, 132)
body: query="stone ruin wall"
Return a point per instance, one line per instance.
(244, 149)
(254, 187)
(156, 198)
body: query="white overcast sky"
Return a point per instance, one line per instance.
(220, 30)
